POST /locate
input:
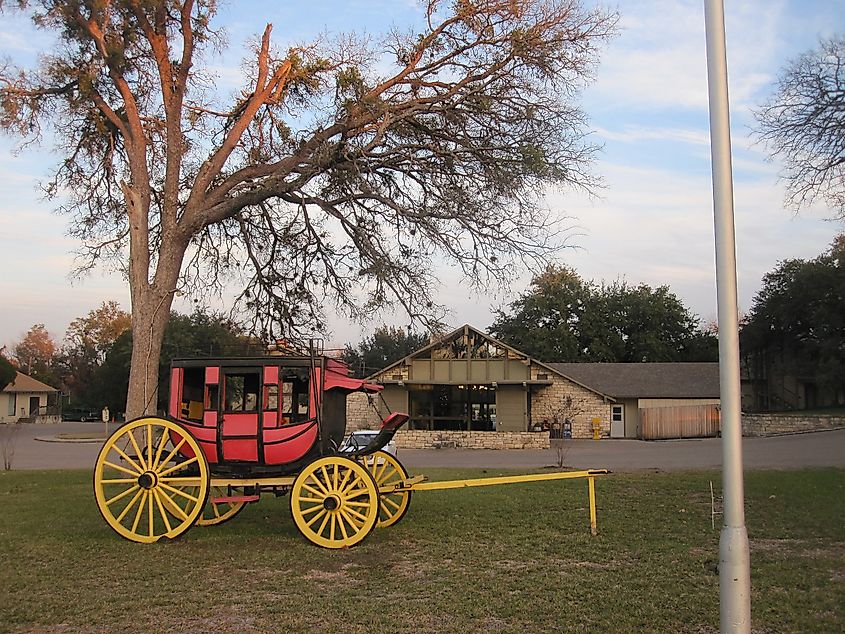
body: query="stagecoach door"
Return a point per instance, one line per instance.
(240, 410)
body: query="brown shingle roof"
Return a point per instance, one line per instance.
(646, 380)
(25, 383)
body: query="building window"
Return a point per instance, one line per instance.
(453, 407)
(11, 401)
(616, 413)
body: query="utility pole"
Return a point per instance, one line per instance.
(734, 559)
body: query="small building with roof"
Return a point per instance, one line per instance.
(467, 389)
(655, 400)
(28, 400)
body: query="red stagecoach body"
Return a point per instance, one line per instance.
(264, 414)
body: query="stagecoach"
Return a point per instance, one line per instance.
(238, 428)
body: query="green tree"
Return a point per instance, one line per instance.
(803, 124)
(797, 319)
(553, 319)
(87, 341)
(8, 372)
(200, 334)
(35, 354)
(386, 345)
(563, 318)
(340, 172)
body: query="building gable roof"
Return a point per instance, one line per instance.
(25, 383)
(646, 380)
(443, 340)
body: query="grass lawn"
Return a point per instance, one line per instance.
(515, 558)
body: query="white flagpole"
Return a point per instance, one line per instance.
(734, 560)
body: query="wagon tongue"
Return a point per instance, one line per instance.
(388, 428)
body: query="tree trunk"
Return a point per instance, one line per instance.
(150, 314)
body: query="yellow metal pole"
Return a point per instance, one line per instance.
(439, 485)
(591, 481)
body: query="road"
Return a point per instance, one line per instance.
(820, 449)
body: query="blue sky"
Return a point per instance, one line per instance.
(651, 223)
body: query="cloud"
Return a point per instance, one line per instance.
(637, 133)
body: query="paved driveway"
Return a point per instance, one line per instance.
(820, 449)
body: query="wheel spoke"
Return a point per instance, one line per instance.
(360, 505)
(178, 466)
(149, 449)
(174, 508)
(139, 470)
(150, 517)
(183, 480)
(355, 513)
(306, 499)
(119, 480)
(138, 452)
(332, 526)
(311, 509)
(123, 513)
(140, 510)
(165, 436)
(326, 477)
(351, 520)
(343, 532)
(327, 517)
(174, 450)
(180, 492)
(119, 468)
(316, 517)
(120, 496)
(342, 484)
(161, 510)
(322, 487)
(352, 491)
(395, 505)
(380, 469)
(313, 491)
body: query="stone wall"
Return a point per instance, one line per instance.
(776, 425)
(360, 414)
(424, 439)
(564, 399)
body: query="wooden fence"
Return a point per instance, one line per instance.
(691, 421)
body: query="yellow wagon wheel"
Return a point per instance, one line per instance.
(215, 513)
(334, 502)
(386, 471)
(151, 480)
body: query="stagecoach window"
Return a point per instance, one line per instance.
(287, 397)
(272, 403)
(212, 397)
(191, 407)
(241, 392)
(295, 397)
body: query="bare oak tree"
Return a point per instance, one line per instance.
(804, 125)
(341, 172)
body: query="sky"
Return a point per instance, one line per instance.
(652, 222)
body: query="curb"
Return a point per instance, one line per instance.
(71, 440)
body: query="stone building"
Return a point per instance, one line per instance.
(466, 389)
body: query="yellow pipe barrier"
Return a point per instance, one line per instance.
(419, 484)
